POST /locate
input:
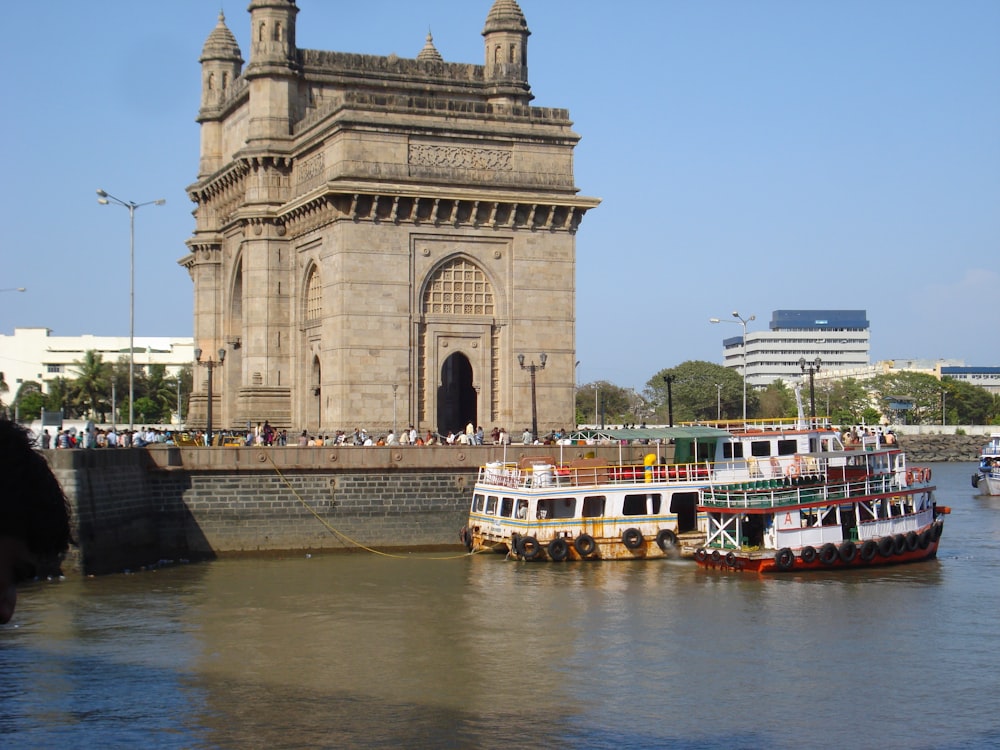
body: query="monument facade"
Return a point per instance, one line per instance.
(377, 239)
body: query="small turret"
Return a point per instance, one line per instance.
(272, 29)
(506, 35)
(429, 53)
(221, 63)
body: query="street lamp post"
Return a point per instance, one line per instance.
(211, 365)
(718, 402)
(811, 368)
(669, 380)
(741, 321)
(105, 199)
(532, 368)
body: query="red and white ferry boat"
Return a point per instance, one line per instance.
(807, 503)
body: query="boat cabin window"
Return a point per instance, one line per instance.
(593, 506)
(788, 447)
(478, 503)
(760, 448)
(522, 508)
(732, 450)
(507, 507)
(641, 505)
(491, 505)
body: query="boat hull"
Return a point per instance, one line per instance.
(899, 549)
(988, 484)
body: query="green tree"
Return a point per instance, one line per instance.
(60, 397)
(777, 400)
(965, 403)
(700, 391)
(615, 405)
(922, 389)
(91, 382)
(4, 388)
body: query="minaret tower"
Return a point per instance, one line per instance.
(272, 69)
(221, 63)
(506, 35)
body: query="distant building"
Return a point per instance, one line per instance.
(984, 377)
(35, 355)
(839, 338)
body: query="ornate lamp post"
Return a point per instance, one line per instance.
(105, 199)
(811, 368)
(532, 368)
(211, 365)
(741, 321)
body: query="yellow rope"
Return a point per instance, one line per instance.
(345, 537)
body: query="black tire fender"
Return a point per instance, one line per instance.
(828, 553)
(632, 538)
(585, 545)
(784, 558)
(665, 539)
(558, 549)
(529, 547)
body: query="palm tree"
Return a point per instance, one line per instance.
(92, 380)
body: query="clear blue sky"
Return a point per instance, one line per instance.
(751, 156)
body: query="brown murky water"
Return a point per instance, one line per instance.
(360, 650)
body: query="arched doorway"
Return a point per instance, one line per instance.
(456, 399)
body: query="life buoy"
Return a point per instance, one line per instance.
(848, 551)
(899, 544)
(828, 553)
(585, 545)
(530, 548)
(909, 476)
(632, 538)
(700, 555)
(885, 546)
(558, 549)
(731, 559)
(868, 550)
(912, 540)
(784, 558)
(927, 474)
(666, 539)
(808, 554)
(793, 470)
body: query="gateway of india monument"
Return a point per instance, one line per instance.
(379, 239)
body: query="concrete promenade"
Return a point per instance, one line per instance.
(136, 507)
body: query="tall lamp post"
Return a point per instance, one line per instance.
(669, 380)
(718, 402)
(105, 199)
(532, 368)
(211, 365)
(741, 321)
(811, 368)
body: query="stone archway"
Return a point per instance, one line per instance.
(456, 400)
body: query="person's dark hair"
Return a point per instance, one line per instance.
(33, 507)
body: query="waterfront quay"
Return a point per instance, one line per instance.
(138, 507)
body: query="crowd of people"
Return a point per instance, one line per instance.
(91, 436)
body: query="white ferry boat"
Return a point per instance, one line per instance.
(588, 509)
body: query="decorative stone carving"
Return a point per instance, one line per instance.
(460, 157)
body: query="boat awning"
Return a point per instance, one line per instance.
(663, 434)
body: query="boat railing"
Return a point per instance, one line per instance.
(777, 493)
(588, 474)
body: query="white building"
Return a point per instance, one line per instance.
(839, 338)
(34, 354)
